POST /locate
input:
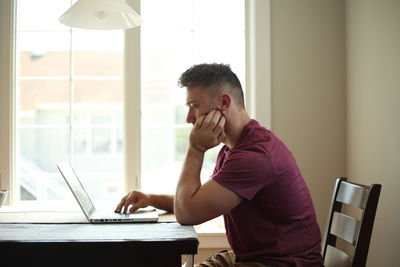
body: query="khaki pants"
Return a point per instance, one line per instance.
(226, 258)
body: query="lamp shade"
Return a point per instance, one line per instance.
(101, 15)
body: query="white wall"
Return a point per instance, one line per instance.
(308, 91)
(373, 63)
(336, 101)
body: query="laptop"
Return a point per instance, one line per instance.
(98, 216)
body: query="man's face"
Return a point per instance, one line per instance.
(198, 102)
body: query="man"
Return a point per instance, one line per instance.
(256, 184)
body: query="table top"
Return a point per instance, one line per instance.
(96, 232)
(72, 226)
(18, 215)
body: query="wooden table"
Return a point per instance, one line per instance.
(133, 244)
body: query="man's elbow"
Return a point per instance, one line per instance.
(187, 216)
(183, 220)
(184, 217)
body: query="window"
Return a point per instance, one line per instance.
(68, 101)
(70, 94)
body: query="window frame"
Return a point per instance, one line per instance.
(7, 97)
(258, 84)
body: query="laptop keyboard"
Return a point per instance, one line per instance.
(111, 216)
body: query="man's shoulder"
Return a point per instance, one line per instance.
(254, 134)
(249, 153)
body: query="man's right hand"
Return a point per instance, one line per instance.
(208, 131)
(136, 199)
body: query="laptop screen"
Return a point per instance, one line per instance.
(76, 187)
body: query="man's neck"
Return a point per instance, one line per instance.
(235, 129)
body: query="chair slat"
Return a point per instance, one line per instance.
(335, 257)
(357, 233)
(345, 227)
(353, 194)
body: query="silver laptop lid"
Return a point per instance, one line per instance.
(77, 189)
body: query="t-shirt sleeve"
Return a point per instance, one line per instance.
(244, 173)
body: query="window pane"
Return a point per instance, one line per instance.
(43, 101)
(97, 133)
(103, 63)
(42, 42)
(181, 143)
(69, 104)
(101, 141)
(218, 15)
(80, 142)
(94, 49)
(220, 50)
(195, 33)
(36, 63)
(89, 40)
(155, 94)
(170, 16)
(41, 15)
(35, 149)
(105, 92)
(37, 171)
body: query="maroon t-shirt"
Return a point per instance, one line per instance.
(275, 223)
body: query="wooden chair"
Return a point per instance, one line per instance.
(348, 232)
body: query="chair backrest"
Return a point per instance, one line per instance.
(353, 232)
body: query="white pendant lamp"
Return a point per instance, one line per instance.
(101, 15)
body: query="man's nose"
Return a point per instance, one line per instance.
(190, 118)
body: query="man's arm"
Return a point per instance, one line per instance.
(196, 203)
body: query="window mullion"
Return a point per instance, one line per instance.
(258, 60)
(132, 105)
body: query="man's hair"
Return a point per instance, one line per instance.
(214, 78)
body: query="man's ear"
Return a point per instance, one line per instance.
(225, 101)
